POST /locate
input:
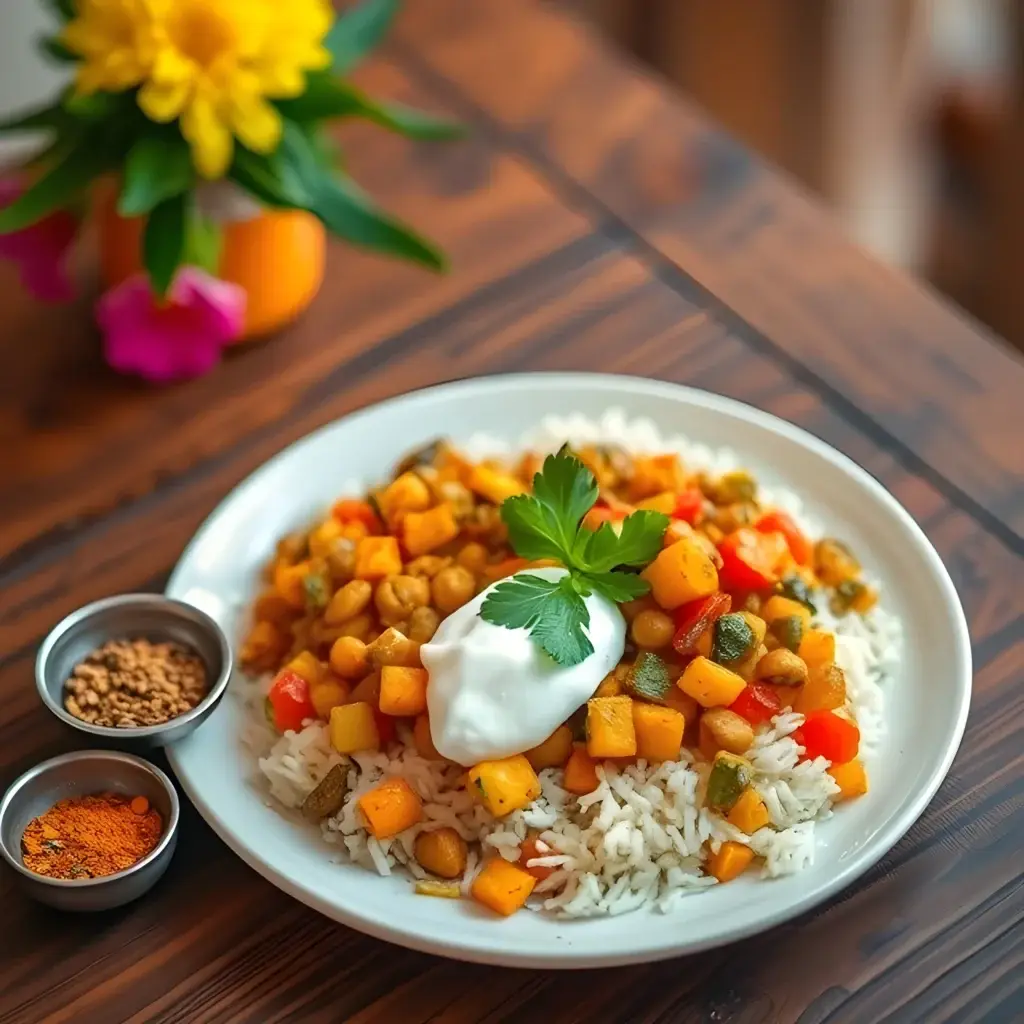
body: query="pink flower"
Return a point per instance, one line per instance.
(40, 249)
(180, 337)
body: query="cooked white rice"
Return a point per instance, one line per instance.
(641, 838)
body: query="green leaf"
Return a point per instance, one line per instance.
(64, 9)
(59, 186)
(50, 116)
(617, 586)
(636, 543)
(533, 528)
(268, 180)
(350, 214)
(569, 490)
(412, 123)
(97, 106)
(158, 167)
(203, 238)
(55, 50)
(356, 32)
(163, 244)
(552, 610)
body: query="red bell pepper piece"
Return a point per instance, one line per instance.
(385, 727)
(758, 704)
(694, 618)
(689, 505)
(782, 522)
(752, 560)
(356, 510)
(288, 701)
(828, 735)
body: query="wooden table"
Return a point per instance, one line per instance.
(594, 221)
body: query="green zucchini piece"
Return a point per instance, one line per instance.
(845, 594)
(730, 775)
(328, 796)
(789, 631)
(796, 589)
(649, 679)
(733, 639)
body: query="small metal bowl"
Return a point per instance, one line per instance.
(128, 617)
(79, 774)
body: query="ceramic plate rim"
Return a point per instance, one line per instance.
(888, 833)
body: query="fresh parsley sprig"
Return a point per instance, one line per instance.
(548, 524)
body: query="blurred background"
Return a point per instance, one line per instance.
(905, 116)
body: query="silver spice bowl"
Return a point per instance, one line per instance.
(79, 774)
(130, 616)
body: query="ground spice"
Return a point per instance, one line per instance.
(132, 683)
(91, 836)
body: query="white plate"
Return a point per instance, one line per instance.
(927, 706)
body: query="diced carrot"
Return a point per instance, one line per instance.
(730, 862)
(580, 772)
(531, 849)
(502, 886)
(390, 808)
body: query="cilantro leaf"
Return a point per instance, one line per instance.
(636, 543)
(617, 586)
(552, 610)
(532, 528)
(566, 487)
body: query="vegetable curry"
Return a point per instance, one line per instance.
(723, 638)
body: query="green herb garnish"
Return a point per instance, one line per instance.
(547, 524)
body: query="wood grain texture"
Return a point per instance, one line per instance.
(103, 483)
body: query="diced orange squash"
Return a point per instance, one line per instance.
(610, 686)
(664, 502)
(270, 606)
(322, 538)
(779, 607)
(442, 852)
(406, 493)
(817, 648)
(851, 778)
(502, 886)
(494, 485)
(377, 557)
(403, 691)
(610, 731)
(709, 684)
(328, 693)
(681, 573)
(308, 666)
(423, 740)
(580, 772)
(390, 808)
(825, 690)
(659, 731)
(425, 531)
(353, 727)
(367, 690)
(553, 752)
(730, 862)
(289, 582)
(504, 785)
(749, 813)
(531, 849)
(683, 703)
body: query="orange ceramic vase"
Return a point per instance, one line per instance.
(277, 257)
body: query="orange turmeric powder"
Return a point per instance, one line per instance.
(90, 836)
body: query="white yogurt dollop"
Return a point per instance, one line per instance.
(492, 692)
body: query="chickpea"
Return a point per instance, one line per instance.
(652, 629)
(423, 623)
(349, 657)
(397, 596)
(427, 565)
(782, 667)
(348, 602)
(473, 557)
(631, 609)
(723, 729)
(358, 626)
(452, 588)
(395, 648)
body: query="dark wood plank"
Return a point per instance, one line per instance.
(216, 943)
(700, 206)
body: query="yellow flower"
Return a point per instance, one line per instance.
(213, 64)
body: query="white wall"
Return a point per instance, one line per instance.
(26, 78)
